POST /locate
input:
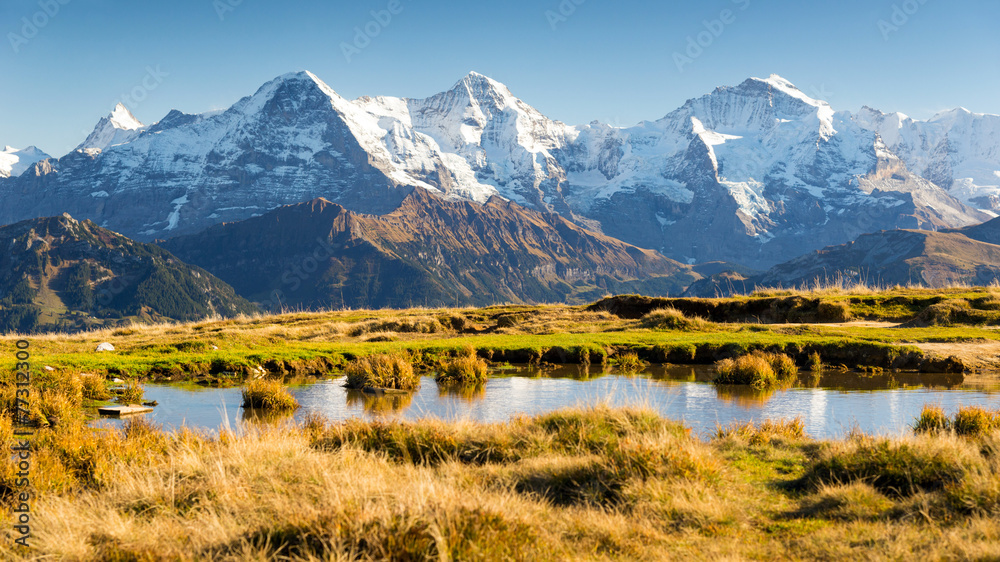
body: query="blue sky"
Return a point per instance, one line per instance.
(574, 60)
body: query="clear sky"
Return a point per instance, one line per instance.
(574, 60)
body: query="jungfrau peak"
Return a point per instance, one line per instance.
(755, 173)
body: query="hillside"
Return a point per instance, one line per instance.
(427, 252)
(968, 256)
(62, 274)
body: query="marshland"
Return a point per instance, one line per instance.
(793, 424)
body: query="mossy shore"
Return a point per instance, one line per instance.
(227, 351)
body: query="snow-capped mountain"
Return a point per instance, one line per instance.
(958, 150)
(748, 174)
(14, 162)
(489, 141)
(117, 128)
(756, 174)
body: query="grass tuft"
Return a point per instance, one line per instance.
(269, 395)
(975, 422)
(932, 420)
(815, 362)
(131, 393)
(672, 319)
(758, 369)
(95, 387)
(971, 421)
(390, 370)
(629, 363)
(765, 433)
(896, 467)
(467, 369)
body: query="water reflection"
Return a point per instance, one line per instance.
(379, 404)
(830, 403)
(264, 417)
(745, 396)
(576, 372)
(466, 392)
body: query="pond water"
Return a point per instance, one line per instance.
(830, 404)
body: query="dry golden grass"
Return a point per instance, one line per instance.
(766, 432)
(758, 369)
(388, 370)
(131, 393)
(970, 421)
(268, 395)
(467, 369)
(672, 319)
(629, 363)
(576, 484)
(95, 387)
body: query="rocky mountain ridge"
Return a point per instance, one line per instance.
(966, 256)
(756, 173)
(427, 252)
(58, 273)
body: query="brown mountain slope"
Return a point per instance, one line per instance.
(889, 257)
(62, 274)
(988, 231)
(428, 252)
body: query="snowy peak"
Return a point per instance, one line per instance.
(956, 115)
(759, 105)
(786, 87)
(14, 162)
(122, 118)
(483, 89)
(288, 90)
(118, 127)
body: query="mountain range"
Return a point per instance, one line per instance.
(427, 252)
(754, 174)
(58, 273)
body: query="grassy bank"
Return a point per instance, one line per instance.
(683, 331)
(577, 484)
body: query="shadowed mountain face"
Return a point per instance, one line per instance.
(967, 256)
(756, 173)
(60, 273)
(427, 252)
